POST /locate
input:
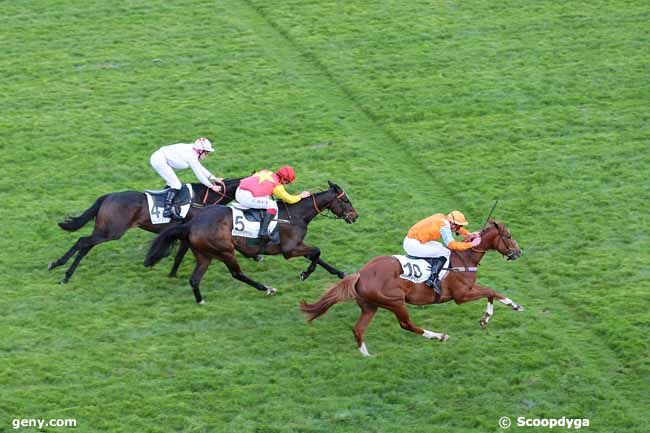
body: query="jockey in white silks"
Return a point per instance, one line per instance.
(178, 157)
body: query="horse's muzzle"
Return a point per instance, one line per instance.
(351, 217)
(512, 254)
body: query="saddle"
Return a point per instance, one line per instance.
(246, 223)
(418, 269)
(183, 197)
(156, 201)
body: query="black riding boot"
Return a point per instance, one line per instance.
(433, 281)
(170, 209)
(264, 231)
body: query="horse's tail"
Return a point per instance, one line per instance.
(163, 243)
(344, 290)
(75, 223)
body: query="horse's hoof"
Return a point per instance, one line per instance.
(172, 275)
(258, 258)
(202, 302)
(63, 281)
(342, 275)
(271, 291)
(518, 308)
(483, 323)
(304, 276)
(445, 337)
(51, 266)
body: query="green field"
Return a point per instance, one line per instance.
(414, 108)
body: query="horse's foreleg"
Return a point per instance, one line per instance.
(478, 292)
(202, 264)
(182, 250)
(302, 250)
(236, 272)
(405, 322)
(331, 269)
(489, 311)
(367, 313)
(313, 255)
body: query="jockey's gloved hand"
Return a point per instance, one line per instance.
(305, 194)
(473, 235)
(476, 241)
(215, 188)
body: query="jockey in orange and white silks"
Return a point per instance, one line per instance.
(182, 156)
(422, 241)
(256, 192)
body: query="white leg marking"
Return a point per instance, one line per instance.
(490, 308)
(506, 301)
(431, 335)
(364, 350)
(202, 302)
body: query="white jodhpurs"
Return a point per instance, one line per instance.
(159, 163)
(246, 199)
(415, 248)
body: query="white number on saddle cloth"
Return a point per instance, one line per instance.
(157, 207)
(416, 270)
(246, 228)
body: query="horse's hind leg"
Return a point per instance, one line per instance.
(228, 258)
(405, 322)
(182, 250)
(367, 313)
(202, 264)
(64, 258)
(84, 245)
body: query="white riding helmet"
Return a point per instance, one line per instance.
(204, 144)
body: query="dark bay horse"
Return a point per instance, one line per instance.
(117, 212)
(378, 284)
(210, 237)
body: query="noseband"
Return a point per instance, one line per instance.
(319, 211)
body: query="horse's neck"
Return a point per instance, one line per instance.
(466, 258)
(199, 191)
(305, 211)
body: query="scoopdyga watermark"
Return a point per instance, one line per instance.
(564, 422)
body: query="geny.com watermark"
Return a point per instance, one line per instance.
(41, 423)
(522, 421)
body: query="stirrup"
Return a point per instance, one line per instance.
(434, 283)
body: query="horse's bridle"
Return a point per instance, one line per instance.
(345, 216)
(509, 254)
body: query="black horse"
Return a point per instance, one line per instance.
(210, 237)
(117, 212)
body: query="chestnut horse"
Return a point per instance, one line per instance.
(210, 237)
(378, 284)
(117, 212)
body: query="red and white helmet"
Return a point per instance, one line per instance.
(203, 144)
(286, 173)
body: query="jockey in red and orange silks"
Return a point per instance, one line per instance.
(256, 192)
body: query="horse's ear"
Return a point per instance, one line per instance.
(332, 185)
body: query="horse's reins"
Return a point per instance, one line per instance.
(207, 191)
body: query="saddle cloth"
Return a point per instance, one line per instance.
(416, 269)
(246, 223)
(156, 201)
